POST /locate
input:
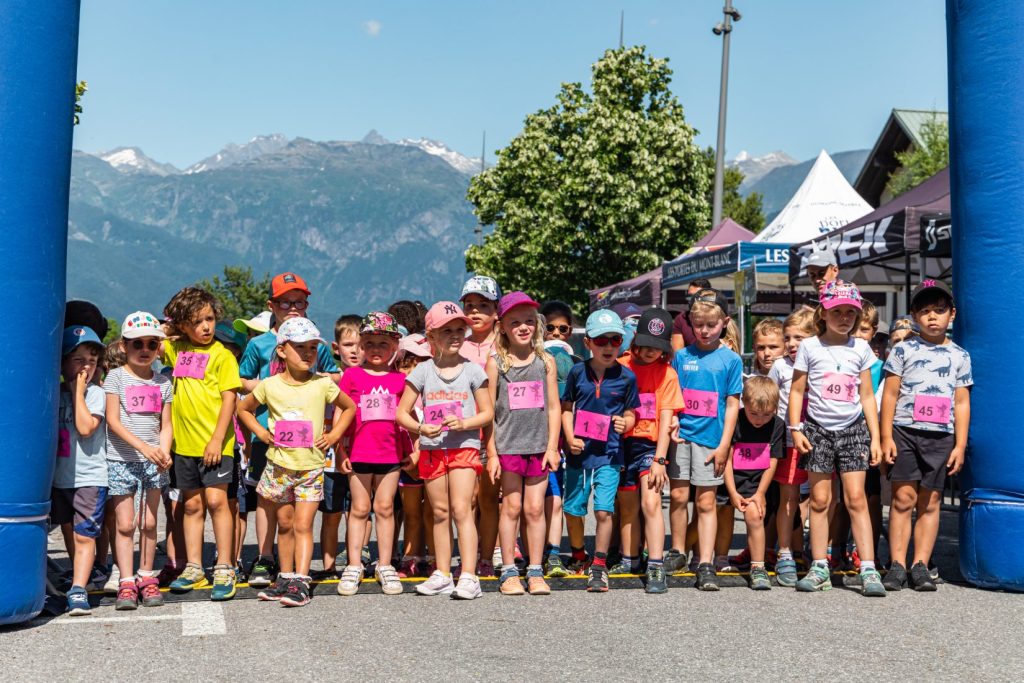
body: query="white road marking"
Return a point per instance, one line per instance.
(202, 619)
(102, 620)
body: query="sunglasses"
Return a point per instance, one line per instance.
(138, 345)
(561, 329)
(605, 340)
(297, 305)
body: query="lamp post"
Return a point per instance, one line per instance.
(724, 29)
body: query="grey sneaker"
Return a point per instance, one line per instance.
(816, 579)
(759, 580)
(921, 578)
(674, 561)
(655, 579)
(871, 584)
(598, 581)
(895, 578)
(785, 573)
(707, 579)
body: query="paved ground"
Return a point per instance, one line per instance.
(957, 633)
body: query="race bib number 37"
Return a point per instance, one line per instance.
(143, 398)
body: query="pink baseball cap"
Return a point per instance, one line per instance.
(839, 293)
(442, 313)
(416, 344)
(513, 299)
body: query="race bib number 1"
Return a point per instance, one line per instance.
(293, 434)
(590, 425)
(934, 409)
(143, 398)
(523, 395)
(191, 364)
(838, 386)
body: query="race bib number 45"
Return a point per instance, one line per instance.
(934, 409)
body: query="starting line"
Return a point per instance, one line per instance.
(197, 619)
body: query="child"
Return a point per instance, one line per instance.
(598, 406)
(138, 410)
(523, 445)
(558, 321)
(205, 379)
(901, 329)
(417, 549)
(711, 378)
(926, 414)
(644, 472)
(796, 328)
(768, 345)
(293, 479)
(841, 431)
(456, 407)
(375, 456)
(757, 447)
(409, 315)
(80, 478)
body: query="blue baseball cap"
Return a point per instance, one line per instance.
(75, 336)
(604, 322)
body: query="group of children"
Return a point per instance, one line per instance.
(478, 414)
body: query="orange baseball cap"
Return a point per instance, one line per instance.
(286, 282)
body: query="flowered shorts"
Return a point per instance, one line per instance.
(281, 485)
(125, 478)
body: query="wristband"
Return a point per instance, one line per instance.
(798, 427)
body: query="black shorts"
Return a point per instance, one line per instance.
(747, 483)
(839, 450)
(336, 497)
(257, 460)
(638, 456)
(188, 473)
(247, 498)
(83, 507)
(921, 456)
(377, 468)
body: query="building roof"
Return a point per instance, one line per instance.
(901, 130)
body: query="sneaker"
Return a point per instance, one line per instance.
(365, 557)
(655, 582)
(78, 602)
(149, 591)
(223, 583)
(741, 561)
(620, 569)
(239, 574)
(485, 568)
(816, 579)
(408, 568)
(97, 579)
(468, 588)
(921, 578)
(580, 567)
(722, 564)
(341, 559)
(297, 593)
(387, 577)
(554, 568)
(436, 584)
(871, 584)
(192, 577)
(759, 580)
(350, 579)
(896, 578)
(536, 585)
(262, 572)
(510, 584)
(113, 584)
(707, 579)
(127, 596)
(785, 572)
(168, 574)
(674, 561)
(933, 570)
(598, 581)
(275, 591)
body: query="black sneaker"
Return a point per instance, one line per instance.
(655, 579)
(598, 582)
(262, 573)
(896, 578)
(921, 578)
(934, 571)
(297, 594)
(674, 561)
(707, 579)
(276, 591)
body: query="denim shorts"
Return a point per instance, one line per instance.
(604, 480)
(125, 478)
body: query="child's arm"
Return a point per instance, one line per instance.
(342, 421)
(961, 425)
(552, 458)
(867, 402)
(729, 475)
(212, 452)
(796, 404)
(483, 417)
(407, 416)
(623, 423)
(85, 422)
(493, 464)
(575, 445)
(721, 454)
(890, 393)
(246, 416)
(659, 474)
(113, 414)
(166, 433)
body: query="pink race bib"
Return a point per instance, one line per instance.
(838, 386)
(434, 413)
(933, 409)
(293, 434)
(700, 403)
(63, 443)
(751, 456)
(377, 407)
(143, 398)
(523, 395)
(648, 409)
(191, 364)
(590, 425)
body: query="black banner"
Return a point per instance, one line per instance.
(936, 236)
(641, 295)
(708, 265)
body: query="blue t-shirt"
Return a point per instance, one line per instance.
(720, 372)
(614, 395)
(876, 374)
(260, 357)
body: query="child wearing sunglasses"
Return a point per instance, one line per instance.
(558, 321)
(138, 454)
(598, 405)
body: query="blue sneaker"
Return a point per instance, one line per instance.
(78, 602)
(193, 577)
(785, 572)
(223, 583)
(817, 578)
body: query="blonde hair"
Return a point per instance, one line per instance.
(502, 353)
(802, 319)
(701, 307)
(819, 320)
(761, 394)
(767, 327)
(731, 336)
(870, 313)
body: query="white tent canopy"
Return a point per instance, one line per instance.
(824, 202)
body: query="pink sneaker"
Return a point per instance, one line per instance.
(149, 589)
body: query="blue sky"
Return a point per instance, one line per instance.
(180, 78)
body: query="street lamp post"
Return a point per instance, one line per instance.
(724, 29)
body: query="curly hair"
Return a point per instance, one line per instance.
(186, 305)
(411, 315)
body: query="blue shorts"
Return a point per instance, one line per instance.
(604, 480)
(125, 478)
(556, 482)
(639, 456)
(405, 479)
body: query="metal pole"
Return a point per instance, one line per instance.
(622, 27)
(723, 29)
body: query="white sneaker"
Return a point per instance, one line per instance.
(350, 578)
(437, 584)
(388, 579)
(496, 557)
(468, 588)
(114, 582)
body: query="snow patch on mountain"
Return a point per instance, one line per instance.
(133, 160)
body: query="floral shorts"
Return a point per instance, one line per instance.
(280, 485)
(125, 478)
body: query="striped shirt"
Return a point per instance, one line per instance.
(144, 425)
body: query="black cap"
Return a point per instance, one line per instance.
(930, 286)
(711, 296)
(655, 330)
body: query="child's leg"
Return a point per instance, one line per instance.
(358, 514)
(174, 531)
(904, 500)
(821, 497)
(628, 503)
(241, 527)
(124, 540)
(606, 485)
(553, 519)
(266, 528)
(533, 514)
(487, 503)
(724, 516)
(385, 488)
(147, 531)
(285, 516)
(437, 494)
(461, 482)
(511, 509)
(707, 522)
(330, 523)
(236, 543)
(789, 499)
(412, 538)
(929, 505)
(84, 557)
(755, 533)
(193, 523)
(216, 501)
(860, 520)
(654, 520)
(303, 514)
(679, 499)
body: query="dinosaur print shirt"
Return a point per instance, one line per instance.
(833, 380)
(929, 376)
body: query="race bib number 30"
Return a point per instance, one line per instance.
(293, 434)
(838, 386)
(751, 456)
(143, 398)
(191, 364)
(700, 403)
(377, 407)
(523, 395)
(934, 409)
(590, 425)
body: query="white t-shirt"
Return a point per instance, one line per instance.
(833, 379)
(781, 373)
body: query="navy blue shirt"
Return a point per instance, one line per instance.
(615, 393)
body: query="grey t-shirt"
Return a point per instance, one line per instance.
(523, 431)
(932, 372)
(437, 390)
(144, 422)
(81, 462)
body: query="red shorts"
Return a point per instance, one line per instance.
(787, 472)
(434, 464)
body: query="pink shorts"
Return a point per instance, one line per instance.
(787, 472)
(531, 465)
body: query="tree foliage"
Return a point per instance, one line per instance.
(241, 295)
(80, 89)
(919, 163)
(747, 211)
(599, 187)
(113, 330)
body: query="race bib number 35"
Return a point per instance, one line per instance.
(293, 434)
(191, 364)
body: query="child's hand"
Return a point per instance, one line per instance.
(876, 453)
(720, 456)
(410, 463)
(344, 463)
(265, 436)
(552, 460)
(657, 478)
(81, 382)
(493, 468)
(758, 501)
(325, 441)
(674, 429)
(801, 444)
(452, 422)
(738, 502)
(888, 451)
(430, 431)
(956, 460)
(618, 424)
(211, 454)
(576, 446)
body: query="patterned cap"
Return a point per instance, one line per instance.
(839, 293)
(487, 287)
(298, 330)
(141, 324)
(379, 322)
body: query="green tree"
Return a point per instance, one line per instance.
(597, 188)
(80, 89)
(241, 295)
(747, 211)
(919, 163)
(113, 330)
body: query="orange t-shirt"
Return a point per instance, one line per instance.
(661, 380)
